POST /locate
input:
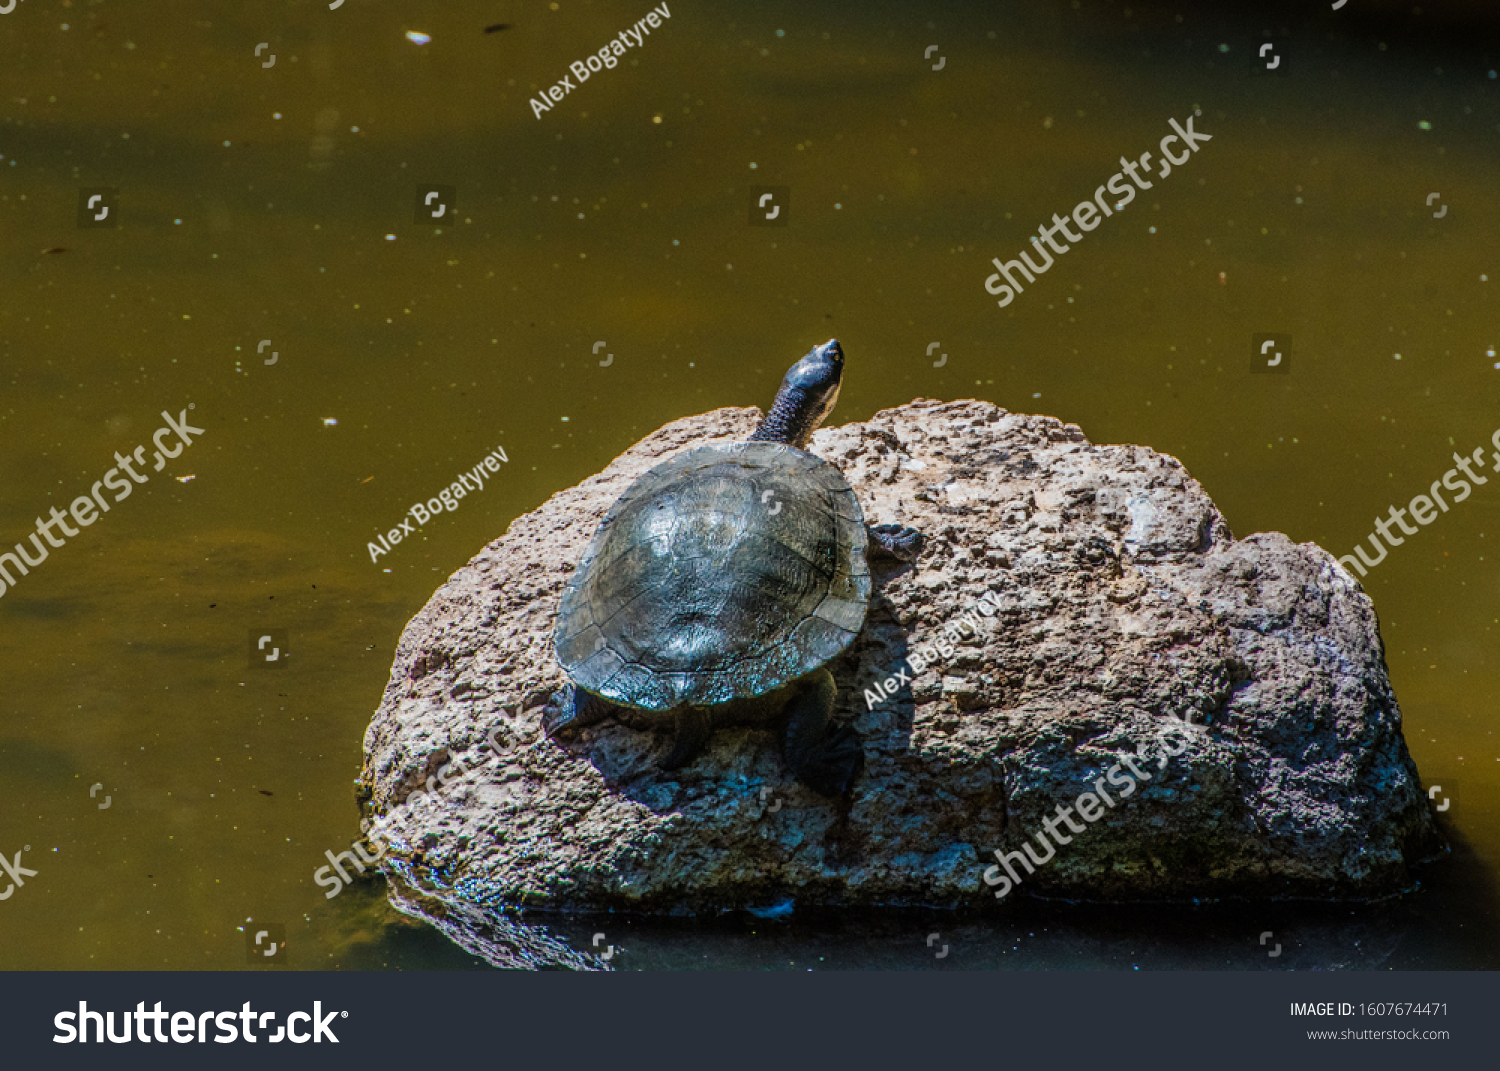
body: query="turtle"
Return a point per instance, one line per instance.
(718, 587)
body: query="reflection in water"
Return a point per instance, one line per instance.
(499, 937)
(1034, 936)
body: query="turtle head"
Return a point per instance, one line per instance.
(808, 393)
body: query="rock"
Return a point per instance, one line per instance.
(1123, 628)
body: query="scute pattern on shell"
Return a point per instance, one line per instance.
(721, 574)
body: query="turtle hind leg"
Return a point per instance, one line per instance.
(825, 761)
(838, 763)
(896, 541)
(694, 726)
(571, 708)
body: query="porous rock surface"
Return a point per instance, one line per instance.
(1125, 609)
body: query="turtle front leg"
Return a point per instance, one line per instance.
(896, 541)
(826, 762)
(571, 708)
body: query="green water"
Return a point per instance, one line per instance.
(277, 204)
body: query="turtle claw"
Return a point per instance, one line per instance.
(571, 709)
(896, 541)
(559, 713)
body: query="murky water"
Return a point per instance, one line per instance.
(267, 213)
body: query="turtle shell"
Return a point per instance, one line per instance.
(722, 573)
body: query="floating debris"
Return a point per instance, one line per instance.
(417, 38)
(189, 478)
